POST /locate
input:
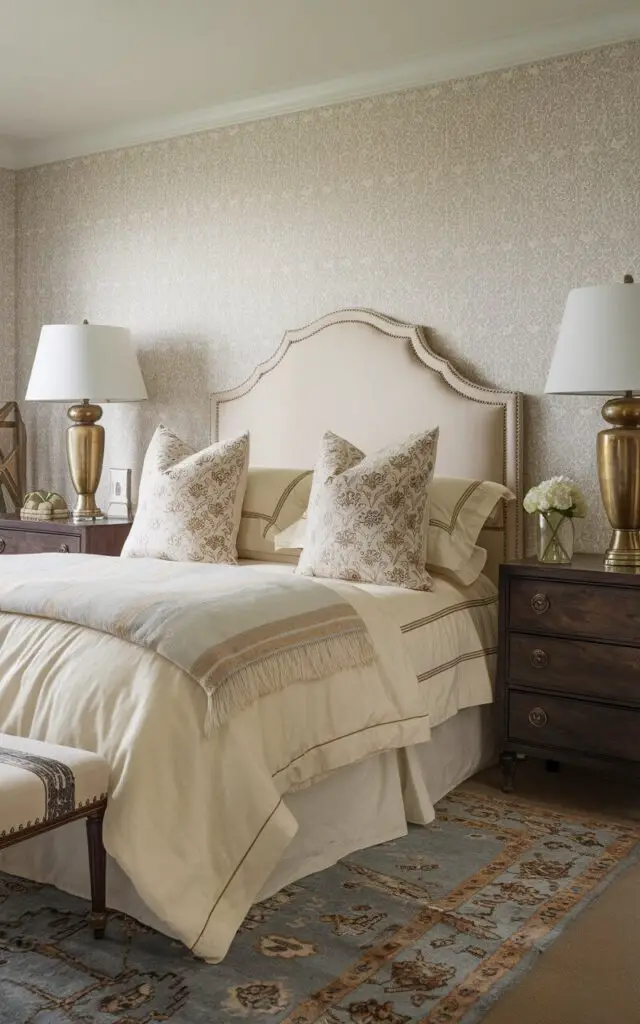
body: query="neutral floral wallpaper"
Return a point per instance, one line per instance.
(472, 207)
(7, 284)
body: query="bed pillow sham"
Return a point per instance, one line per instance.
(293, 537)
(368, 514)
(273, 500)
(189, 502)
(459, 508)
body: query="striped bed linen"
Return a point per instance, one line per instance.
(238, 634)
(450, 634)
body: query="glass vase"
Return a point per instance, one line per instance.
(555, 537)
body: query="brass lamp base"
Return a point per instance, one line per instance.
(624, 550)
(85, 452)
(618, 450)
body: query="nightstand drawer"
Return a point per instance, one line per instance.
(578, 667)
(573, 725)
(582, 609)
(28, 542)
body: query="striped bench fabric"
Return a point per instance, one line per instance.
(44, 786)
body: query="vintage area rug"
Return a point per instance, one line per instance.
(429, 928)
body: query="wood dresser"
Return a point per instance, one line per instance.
(568, 683)
(25, 537)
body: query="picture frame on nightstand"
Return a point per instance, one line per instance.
(119, 494)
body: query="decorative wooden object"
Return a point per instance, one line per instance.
(13, 457)
(568, 685)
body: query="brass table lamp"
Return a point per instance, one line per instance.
(598, 353)
(77, 360)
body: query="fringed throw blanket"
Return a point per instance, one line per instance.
(239, 633)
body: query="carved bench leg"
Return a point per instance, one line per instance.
(508, 762)
(98, 873)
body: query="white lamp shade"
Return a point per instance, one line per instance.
(77, 361)
(598, 347)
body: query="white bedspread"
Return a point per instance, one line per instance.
(450, 634)
(238, 634)
(198, 824)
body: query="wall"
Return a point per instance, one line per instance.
(472, 207)
(7, 284)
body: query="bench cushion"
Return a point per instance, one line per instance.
(41, 783)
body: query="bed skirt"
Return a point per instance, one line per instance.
(359, 806)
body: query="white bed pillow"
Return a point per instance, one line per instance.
(273, 500)
(459, 508)
(367, 515)
(293, 537)
(189, 502)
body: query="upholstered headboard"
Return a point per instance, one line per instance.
(375, 380)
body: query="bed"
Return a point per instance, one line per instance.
(374, 380)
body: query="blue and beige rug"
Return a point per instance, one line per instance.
(429, 928)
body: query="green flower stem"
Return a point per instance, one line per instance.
(554, 539)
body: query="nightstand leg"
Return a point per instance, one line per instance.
(508, 761)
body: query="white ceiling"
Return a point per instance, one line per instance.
(77, 76)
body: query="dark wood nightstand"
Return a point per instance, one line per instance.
(568, 684)
(25, 537)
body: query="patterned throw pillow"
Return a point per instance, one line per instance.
(367, 515)
(459, 509)
(190, 502)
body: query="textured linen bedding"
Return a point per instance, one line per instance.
(449, 633)
(366, 804)
(236, 634)
(450, 636)
(197, 823)
(446, 632)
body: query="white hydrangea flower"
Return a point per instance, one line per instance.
(531, 500)
(557, 494)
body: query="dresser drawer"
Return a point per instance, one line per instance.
(27, 542)
(579, 667)
(578, 609)
(574, 725)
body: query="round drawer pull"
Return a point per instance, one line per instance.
(539, 658)
(64, 549)
(538, 717)
(540, 603)
(3, 545)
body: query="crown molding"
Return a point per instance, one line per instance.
(558, 41)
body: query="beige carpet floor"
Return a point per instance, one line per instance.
(590, 974)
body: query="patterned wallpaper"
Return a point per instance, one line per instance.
(471, 206)
(7, 284)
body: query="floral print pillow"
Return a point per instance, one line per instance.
(367, 519)
(190, 502)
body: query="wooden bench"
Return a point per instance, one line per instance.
(44, 786)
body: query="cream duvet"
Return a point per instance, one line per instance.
(198, 823)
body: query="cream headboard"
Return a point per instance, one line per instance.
(375, 380)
